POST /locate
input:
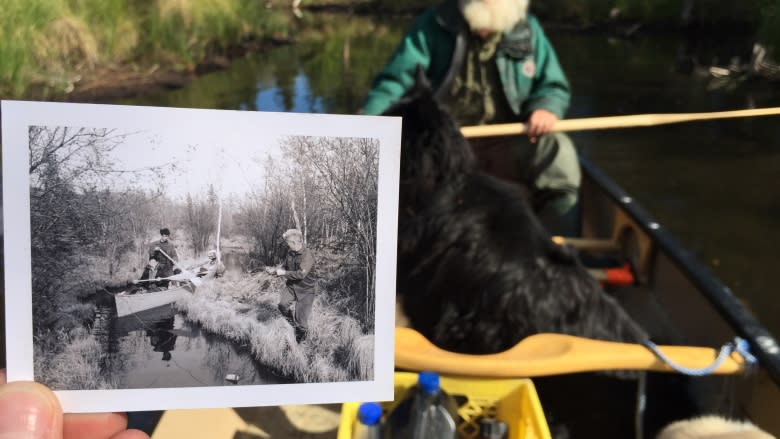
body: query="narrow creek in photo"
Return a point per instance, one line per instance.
(161, 348)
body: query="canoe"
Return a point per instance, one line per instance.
(678, 301)
(127, 303)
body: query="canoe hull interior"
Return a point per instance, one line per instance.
(675, 299)
(678, 301)
(127, 304)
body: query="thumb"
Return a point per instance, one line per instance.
(29, 410)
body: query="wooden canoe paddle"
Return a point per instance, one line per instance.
(600, 123)
(551, 354)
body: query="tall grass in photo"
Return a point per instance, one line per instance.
(244, 310)
(75, 365)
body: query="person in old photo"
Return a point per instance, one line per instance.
(213, 268)
(301, 286)
(164, 253)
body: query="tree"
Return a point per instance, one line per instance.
(201, 220)
(80, 224)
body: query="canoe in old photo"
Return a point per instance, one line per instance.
(128, 303)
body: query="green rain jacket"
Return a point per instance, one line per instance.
(531, 76)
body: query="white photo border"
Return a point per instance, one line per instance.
(17, 116)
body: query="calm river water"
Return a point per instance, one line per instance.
(160, 348)
(712, 184)
(165, 350)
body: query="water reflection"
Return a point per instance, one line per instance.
(162, 338)
(159, 348)
(328, 70)
(710, 183)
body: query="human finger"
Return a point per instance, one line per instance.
(131, 434)
(29, 410)
(531, 129)
(545, 126)
(93, 425)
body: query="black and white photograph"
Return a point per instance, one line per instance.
(181, 258)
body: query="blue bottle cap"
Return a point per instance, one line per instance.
(369, 413)
(429, 382)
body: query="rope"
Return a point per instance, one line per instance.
(641, 406)
(739, 346)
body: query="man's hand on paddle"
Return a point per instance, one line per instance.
(540, 123)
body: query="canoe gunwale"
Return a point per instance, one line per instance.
(718, 294)
(138, 298)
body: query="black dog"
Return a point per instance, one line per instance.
(477, 272)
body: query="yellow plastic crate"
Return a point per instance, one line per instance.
(513, 401)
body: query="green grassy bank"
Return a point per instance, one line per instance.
(49, 44)
(49, 47)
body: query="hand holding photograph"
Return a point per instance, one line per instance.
(161, 258)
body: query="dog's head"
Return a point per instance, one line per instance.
(432, 147)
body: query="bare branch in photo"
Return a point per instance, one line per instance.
(82, 157)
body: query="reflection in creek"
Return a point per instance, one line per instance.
(159, 348)
(162, 338)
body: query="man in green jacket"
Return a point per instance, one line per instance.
(490, 62)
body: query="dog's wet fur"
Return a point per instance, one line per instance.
(477, 272)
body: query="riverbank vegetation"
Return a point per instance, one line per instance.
(51, 44)
(50, 48)
(244, 310)
(70, 360)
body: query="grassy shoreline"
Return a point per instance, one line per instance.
(75, 364)
(98, 50)
(48, 46)
(243, 310)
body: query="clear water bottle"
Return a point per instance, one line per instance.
(492, 429)
(368, 426)
(426, 412)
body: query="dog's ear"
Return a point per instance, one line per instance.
(422, 85)
(421, 79)
(420, 94)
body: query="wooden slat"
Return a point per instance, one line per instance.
(550, 354)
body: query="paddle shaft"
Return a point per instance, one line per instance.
(195, 280)
(175, 264)
(600, 123)
(550, 354)
(157, 279)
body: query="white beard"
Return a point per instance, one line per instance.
(498, 16)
